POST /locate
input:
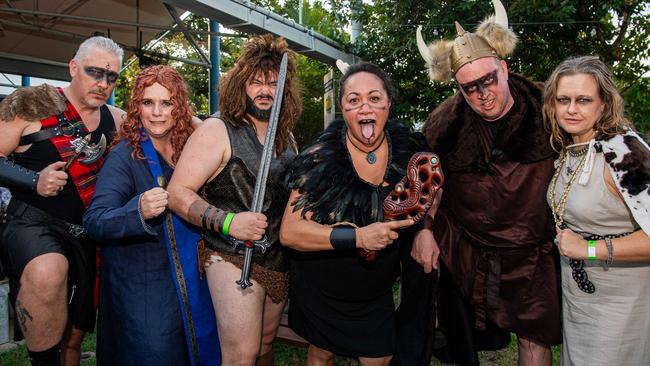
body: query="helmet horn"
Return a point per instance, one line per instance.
(422, 47)
(501, 17)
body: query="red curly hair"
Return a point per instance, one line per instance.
(131, 130)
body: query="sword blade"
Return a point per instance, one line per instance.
(269, 139)
(265, 165)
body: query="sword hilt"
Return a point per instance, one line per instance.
(245, 282)
(249, 246)
(262, 244)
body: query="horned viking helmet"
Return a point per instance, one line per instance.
(491, 39)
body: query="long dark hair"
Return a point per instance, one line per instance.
(261, 54)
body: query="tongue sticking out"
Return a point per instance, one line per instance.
(367, 130)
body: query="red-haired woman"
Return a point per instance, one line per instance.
(144, 283)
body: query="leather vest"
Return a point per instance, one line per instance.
(232, 190)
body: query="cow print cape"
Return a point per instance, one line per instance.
(628, 159)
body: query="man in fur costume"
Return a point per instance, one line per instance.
(493, 230)
(44, 252)
(213, 187)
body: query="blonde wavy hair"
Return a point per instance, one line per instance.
(612, 122)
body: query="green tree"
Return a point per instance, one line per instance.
(175, 44)
(549, 32)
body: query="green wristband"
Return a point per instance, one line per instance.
(226, 223)
(592, 250)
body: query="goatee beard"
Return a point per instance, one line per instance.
(259, 114)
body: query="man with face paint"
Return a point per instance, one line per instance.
(213, 185)
(49, 261)
(493, 231)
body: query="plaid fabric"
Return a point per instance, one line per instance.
(84, 176)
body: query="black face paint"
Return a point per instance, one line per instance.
(98, 74)
(257, 113)
(479, 85)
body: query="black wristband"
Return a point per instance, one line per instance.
(427, 223)
(14, 176)
(343, 238)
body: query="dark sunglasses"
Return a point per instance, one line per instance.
(580, 276)
(98, 74)
(480, 84)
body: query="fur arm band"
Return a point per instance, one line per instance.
(14, 176)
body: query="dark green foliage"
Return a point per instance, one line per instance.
(637, 105)
(549, 32)
(176, 45)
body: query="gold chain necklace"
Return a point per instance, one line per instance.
(558, 207)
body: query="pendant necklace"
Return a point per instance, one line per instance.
(575, 153)
(371, 157)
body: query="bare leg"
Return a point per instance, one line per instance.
(272, 317)
(380, 361)
(239, 313)
(71, 346)
(265, 359)
(41, 306)
(319, 357)
(533, 354)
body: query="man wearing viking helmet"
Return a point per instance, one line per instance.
(51, 150)
(493, 230)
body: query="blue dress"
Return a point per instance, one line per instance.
(139, 317)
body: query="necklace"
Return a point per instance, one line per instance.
(371, 158)
(576, 153)
(558, 207)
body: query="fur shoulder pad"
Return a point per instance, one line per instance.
(32, 103)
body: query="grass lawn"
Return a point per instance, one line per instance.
(284, 355)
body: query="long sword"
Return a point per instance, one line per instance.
(262, 176)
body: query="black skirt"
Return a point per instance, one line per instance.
(343, 304)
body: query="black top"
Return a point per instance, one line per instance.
(66, 205)
(333, 192)
(340, 302)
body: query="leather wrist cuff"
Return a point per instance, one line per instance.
(14, 176)
(343, 238)
(212, 219)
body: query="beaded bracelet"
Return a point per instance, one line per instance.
(148, 229)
